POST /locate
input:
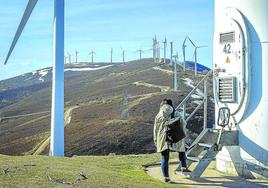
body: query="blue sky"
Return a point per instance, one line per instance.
(100, 25)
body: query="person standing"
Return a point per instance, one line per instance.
(159, 134)
(179, 146)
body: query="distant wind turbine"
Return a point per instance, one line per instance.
(175, 83)
(111, 55)
(183, 53)
(92, 56)
(195, 54)
(76, 54)
(57, 107)
(158, 51)
(140, 51)
(165, 50)
(123, 55)
(154, 49)
(171, 53)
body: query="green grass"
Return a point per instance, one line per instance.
(102, 171)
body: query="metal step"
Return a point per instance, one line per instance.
(206, 145)
(193, 159)
(203, 163)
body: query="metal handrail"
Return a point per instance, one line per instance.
(193, 90)
(204, 101)
(197, 108)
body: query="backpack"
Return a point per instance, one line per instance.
(175, 131)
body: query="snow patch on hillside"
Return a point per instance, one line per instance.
(190, 83)
(43, 73)
(86, 68)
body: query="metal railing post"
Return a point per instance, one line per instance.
(184, 110)
(205, 104)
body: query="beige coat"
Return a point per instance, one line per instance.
(160, 128)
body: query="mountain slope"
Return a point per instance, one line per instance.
(97, 125)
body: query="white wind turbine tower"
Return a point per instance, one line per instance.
(175, 83)
(171, 53)
(92, 56)
(111, 55)
(57, 107)
(183, 53)
(165, 50)
(123, 55)
(158, 51)
(154, 49)
(195, 56)
(76, 54)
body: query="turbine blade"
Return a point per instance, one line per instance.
(27, 13)
(191, 42)
(203, 46)
(184, 40)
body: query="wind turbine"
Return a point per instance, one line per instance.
(183, 53)
(111, 55)
(140, 51)
(165, 50)
(195, 55)
(57, 107)
(76, 53)
(92, 56)
(154, 49)
(171, 53)
(175, 83)
(123, 55)
(158, 51)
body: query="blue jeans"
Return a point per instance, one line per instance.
(164, 162)
(182, 158)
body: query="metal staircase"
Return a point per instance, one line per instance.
(210, 141)
(206, 146)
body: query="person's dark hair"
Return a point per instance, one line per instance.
(164, 101)
(169, 102)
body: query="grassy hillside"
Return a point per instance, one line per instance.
(94, 171)
(96, 126)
